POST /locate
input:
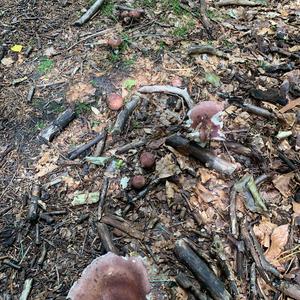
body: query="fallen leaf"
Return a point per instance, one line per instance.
(166, 167)
(86, 198)
(7, 61)
(50, 51)
(213, 79)
(80, 91)
(279, 239)
(282, 184)
(263, 231)
(296, 209)
(97, 160)
(16, 48)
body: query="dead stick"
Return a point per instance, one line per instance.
(201, 271)
(33, 203)
(123, 116)
(122, 225)
(89, 13)
(168, 89)
(185, 147)
(102, 197)
(105, 237)
(75, 153)
(237, 2)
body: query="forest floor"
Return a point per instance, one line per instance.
(247, 55)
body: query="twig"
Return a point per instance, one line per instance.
(102, 197)
(89, 13)
(75, 153)
(123, 116)
(47, 134)
(129, 146)
(255, 110)
(232, 213)
(33, 203)
(89, 37)
(285, 159)
(26, 289)
(122, 225)
(201, 271)
(237, 2)
(204, 17)
(192, 149)
(8, 149)
(106, 238)
(100, 146)
(30, 93)
(168, 89)
(253, 289)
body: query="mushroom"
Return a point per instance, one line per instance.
(114, 42)
(111, 277)
(147, 160)
(115, 101)
(206, 118)
(138, 182)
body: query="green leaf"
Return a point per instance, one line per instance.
(86, 198)
(97, 160)
(129, 83)
(213, 79)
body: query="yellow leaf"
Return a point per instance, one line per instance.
(16, 48)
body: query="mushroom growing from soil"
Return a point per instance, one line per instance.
(147, 160)
(115, 101)
(111, 277)
(138, 182)
(205, 117)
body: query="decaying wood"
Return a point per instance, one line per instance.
(188, 285)
(168, 89)
(122, 225)
(100, 146)
(30, 93)
(89, 13)
(102, 197)
(237, 2)
(238, 148)
(106, 238)
(255, 110)
(188, 148)
(26, 289)
(129, 146)
(201, 271)
(76, 152)
(57, 125)
(33, 203)
(123, 116)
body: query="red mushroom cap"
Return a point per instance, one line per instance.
(114, 42)
(138, 182)
(147, 160)
(115, 101)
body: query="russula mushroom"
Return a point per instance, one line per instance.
(138, 182)
(114, 42)
(111, 277)
(177, 81)
(147, 160)
(135, 13)
(205, 117)
(115, 101)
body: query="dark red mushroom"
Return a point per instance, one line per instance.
(147, 160)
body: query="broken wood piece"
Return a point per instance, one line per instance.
(271, 95)
(168, 89)
(238, 2)
(89, 13)
(188, 285)
(201, 271)
(188, 148)
(26, 289)
(290, 105)
(124, 114)
(122, 225)
(47, 134)
(205, 49)
(100, 146)
(105, 237)
(102, 197)
(33, 203)
(238, 148)
(287, 288)
(76, 152)
(204, 18)
(30, 94)
(129, 146)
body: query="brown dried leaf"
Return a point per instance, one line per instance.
(282, 183)
(80, 92)
(166, 167)
(279, 239)
(296, 209)
(263, 231)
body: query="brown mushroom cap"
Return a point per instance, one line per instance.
(115, 101)
(114, 42)
(138, 182)
(147, 160)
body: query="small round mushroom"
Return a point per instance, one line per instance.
(114, 42)
(115, 101)
(136, 14)
(138, 182)
(177, 81)
(147, 160)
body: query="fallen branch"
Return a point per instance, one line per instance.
(102, 197)
(237, 2)
(123, 116)
(192, 149)
(105, 237)
(26, 289)
(47, 134)
(89, 13)
(76, 152)
(168, 89)
(201, 271)
(122, 225)
(33, 203)
(129, 146)
(204, 18)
